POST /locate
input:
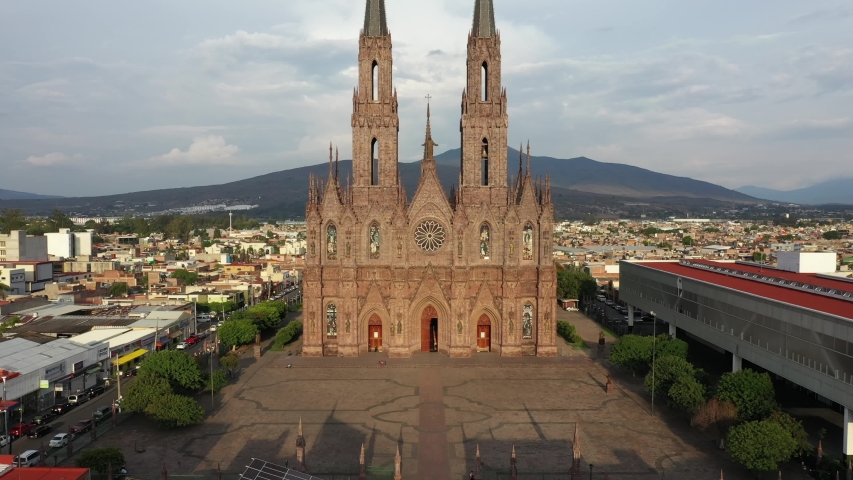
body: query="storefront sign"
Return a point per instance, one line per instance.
(44, 383)
(103, 352)
(57, 388)
(77, 367)
(55, 371)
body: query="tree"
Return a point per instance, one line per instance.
(186, 276)
(575, 283)
(3, 289)
(118, 289)
(179, 228)
(715, 413)
(688, 241)
(666, 346)
(832, 235)
(667, 370)
(687, 393)
(270, 234)
(143, 391)
(12, 219)
(229, 362)
(633, 352)
(217, 233)
(795, 428)
(237, 332)
(173, 411)
(759, 257)
(219, 381)
(176, 367)
(267, 314)
(58, 219)
(101, 459)
(761, 445)
(288, 333)
(750, 391)
(665, 245)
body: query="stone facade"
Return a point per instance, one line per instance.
(454, 273)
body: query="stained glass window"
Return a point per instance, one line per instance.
(485, 241)
(527, 321)
(527, 242)
(374, 240)
(332, 242)
(331, 321)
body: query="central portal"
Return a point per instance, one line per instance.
(429, 329)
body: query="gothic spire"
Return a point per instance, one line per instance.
(375, 24)
(428, 143)
(528, 157)
(336, 164)
(484, 19)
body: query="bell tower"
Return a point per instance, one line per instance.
(484, 113)
(375, 124)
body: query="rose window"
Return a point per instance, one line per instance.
(429, 236)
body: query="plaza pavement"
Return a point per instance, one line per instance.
(437, 410)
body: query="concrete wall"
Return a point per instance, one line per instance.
(60, 244)
(807, 262)
(15, 279)
(21, 247)
(807, 347)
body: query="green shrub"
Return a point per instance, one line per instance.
(288, 334)
(751, 392)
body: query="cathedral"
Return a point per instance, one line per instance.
(456, 272)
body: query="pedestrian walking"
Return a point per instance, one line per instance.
(471, 475)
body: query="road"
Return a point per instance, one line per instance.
(61, 423)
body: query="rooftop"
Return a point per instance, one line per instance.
(754, 285)
(24, 356)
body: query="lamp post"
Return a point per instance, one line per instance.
(590, 471)
(6, 415)
(654, 347)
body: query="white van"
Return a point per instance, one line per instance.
(30, 458)
(78, 399)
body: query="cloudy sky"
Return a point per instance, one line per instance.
(101, 96)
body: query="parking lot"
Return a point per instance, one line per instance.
(611, 317)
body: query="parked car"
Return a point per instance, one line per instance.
(81, 427)
(61, 407)
(181, 346)
(30, 458)
(4, 440)
(93, 392)
(213, 327)
(102, 413)
(20, 429)
(58, 440)
(193, 339)
(78, 399)
(39, 431)
(130, 373)
(43, 418)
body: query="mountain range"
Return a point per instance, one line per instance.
(580, 187)
(13, 195)
(838, 191)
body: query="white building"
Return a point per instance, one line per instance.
(68, 244)
(15, 279)
(18, 246)
(806, 262)
(37, 374)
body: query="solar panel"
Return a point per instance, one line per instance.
(261, 470)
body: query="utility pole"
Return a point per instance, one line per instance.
(654, 347)
(6, 414)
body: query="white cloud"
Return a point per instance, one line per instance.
(210, 150)
(53, 159)
(180, 130)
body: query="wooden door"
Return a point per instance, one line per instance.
(484, 333)
(374, 333)
(427, 316)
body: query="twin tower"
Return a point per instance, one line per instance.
(459, 273)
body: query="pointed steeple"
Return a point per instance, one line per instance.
(398, 465)
(375, 24)
(484, 19)
(361, 466)
(528, 157)
(428, 143)
(336, 164)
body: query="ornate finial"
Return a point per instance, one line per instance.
(429, 143)
(336, 163)
(361, 455)
(528, 157)
(299, 429)
(398, 465)
(520, 158)
(513, 451)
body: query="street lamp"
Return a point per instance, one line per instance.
(6, 415)
(590, 471)
(654, 347)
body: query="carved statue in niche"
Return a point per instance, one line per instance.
(459, 247)
(348, 249)
(511, 327)
(312, 322)
(399, 246)
(459, 327)
(347, 326)
(511, 249)
(399, 327)
(313, 249)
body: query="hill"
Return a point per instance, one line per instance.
(839, 191)
(580, 187)
(13, 195)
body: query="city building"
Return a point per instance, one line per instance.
(15, 279)
(794, 324)
(455, 273)
(67, 244)
(18, 246)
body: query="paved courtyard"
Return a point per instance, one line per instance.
(437, 410)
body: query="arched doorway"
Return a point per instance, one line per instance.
(484, 334)
(429, 329)
(374, 333)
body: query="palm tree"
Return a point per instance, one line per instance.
(3, 289)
